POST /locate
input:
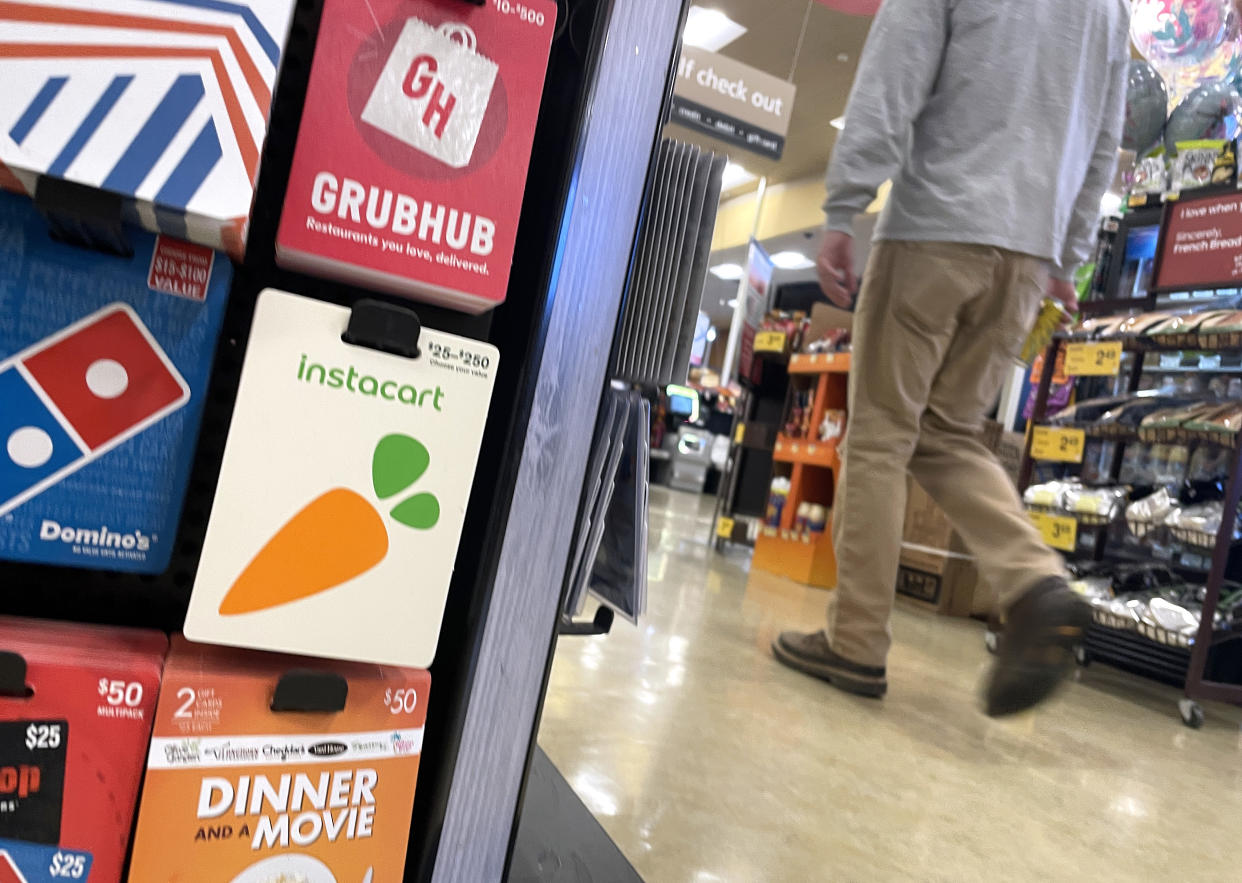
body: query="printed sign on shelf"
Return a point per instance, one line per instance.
(1058, 445)
(731, 101)
(343, 490)
(103, 374)
(238, 793)
(432, 106)
(1202, 244)
(1093, 359)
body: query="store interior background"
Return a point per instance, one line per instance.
(706, 761)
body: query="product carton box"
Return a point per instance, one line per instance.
(163, 104)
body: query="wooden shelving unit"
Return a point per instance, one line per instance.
(814, 467)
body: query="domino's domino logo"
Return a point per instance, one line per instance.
(73, 397)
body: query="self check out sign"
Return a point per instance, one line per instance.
(733, 102)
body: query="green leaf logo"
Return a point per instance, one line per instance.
(399, 461)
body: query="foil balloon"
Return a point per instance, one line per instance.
(1224, 64)
(1175, 33)
(1147, 105)
(1212, 111)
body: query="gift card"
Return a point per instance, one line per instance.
(164, 103)
(72, 752)
(342, 491)
(238, 793)
(432, 106)
(104, 365)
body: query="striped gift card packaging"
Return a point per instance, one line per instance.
(162, 101)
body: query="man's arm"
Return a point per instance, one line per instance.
(895, 76)
(1079, 242)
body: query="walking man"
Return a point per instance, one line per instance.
(998, 122)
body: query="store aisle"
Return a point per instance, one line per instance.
(707, 761)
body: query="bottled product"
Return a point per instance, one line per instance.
(778, 496)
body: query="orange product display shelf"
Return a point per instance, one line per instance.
(809, 453)
(823, 363)
(806, 558)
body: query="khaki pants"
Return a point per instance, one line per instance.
(936, 329)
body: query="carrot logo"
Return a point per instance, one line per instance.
(337, 536)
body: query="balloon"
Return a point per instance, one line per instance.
(1223, 64)
(1175, 33)
(1212, 111)
(1147, 104)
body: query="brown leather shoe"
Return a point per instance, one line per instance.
(1037, 652)
(810, 654)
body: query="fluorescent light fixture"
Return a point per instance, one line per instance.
(838, 123)
(710, 29)
(792, 260)
(728, 272)
(1110, 205)
(734, 176)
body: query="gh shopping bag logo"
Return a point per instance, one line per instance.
(434, 91)
(338, 536)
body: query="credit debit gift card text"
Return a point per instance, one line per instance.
(32, 863)
(76, 395)
(32, 779)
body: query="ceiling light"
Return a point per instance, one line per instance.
(732, 304)
(711, 334)
(734, 176)
(728, 272)
(838, 123)
(792, 260)
(710, 29)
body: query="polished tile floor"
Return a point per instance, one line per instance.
(706, 761)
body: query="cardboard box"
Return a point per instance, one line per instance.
(936, 570)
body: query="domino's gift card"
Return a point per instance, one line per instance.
(104, 364)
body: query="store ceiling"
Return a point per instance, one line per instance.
(824, 73)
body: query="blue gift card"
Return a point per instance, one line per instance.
(33, 863)
(104, 365)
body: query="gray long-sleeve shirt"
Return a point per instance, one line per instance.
(997, 120)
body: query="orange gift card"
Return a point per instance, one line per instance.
(238, 793)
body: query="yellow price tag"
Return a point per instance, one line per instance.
(739, 433)
(1093, 359)
(1061, 445)
(1057, 530)
(770, 342)
(724, 528)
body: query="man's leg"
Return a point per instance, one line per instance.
(905, 324)
(968, 483)
(952, 464)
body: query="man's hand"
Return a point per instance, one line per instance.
(1063, 290)
(836, 268)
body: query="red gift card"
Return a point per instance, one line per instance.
(71, 753)
(431, 106)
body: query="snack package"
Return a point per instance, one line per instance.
(104, 365)
(71, 754)
(1200, 163)
(164, 104)
(238, 793)
(431, 106)
(1151, 175)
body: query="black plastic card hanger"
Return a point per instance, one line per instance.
(303, 689)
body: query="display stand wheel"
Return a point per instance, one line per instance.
(1082, 656)
(1192, 713)
(991, 640)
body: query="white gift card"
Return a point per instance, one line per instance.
(434, 91)
(343, 490)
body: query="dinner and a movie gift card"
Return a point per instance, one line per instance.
(238, 793)
(72, 751)
(104, 364)
(343, 489)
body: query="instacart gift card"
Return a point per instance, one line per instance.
(342, 491)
